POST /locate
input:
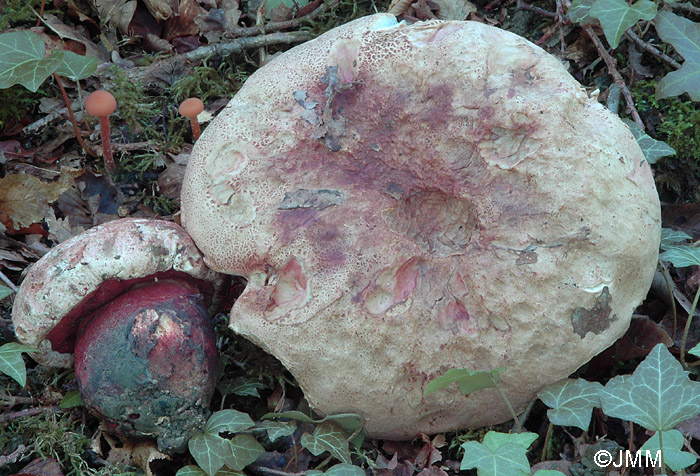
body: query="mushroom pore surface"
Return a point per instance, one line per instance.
(404, 200)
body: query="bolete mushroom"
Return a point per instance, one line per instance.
(130, 298)
(407, 199)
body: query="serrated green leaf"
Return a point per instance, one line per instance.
(681, 256)
(209, 451)
(579, 12)
(278, 429)
(571, 402)
(653, 149)
(499, 455)
(11, 362)
(231, 421)
(674, 456)
(74, 66)
(616, 16)
(658, 395)
(671, 237)
(4, 292)
(22, 60)
(343, 469)
(71, 400)
(291, 415)
(327, 437)
(684, 35)
(245, 449)
(469, 381)
(241, 386)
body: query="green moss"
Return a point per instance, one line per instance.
(19, 12)
(17, 101)
(677, 122)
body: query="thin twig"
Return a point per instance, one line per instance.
(610, 62)
(688, 7)
(273, 472)
(5, 417)
(541, 11)
(651, 49)
(49, 118)
(16, 455)
(8, 283)
(11, 400)
(284, 25)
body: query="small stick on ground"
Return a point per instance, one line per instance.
(610, 62)
(76, 131)
(284, 25)
(8, 283)
(688, 7)
(651, 49)
(540, 11)
(6, 417)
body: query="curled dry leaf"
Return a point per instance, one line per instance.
(454, 9)
(144, 454)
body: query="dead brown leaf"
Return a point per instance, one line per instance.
(24, 199)
(454, 9)
(42, 467)
(145, 453)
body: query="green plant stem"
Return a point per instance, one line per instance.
(547, 442)
(667, 280)
(518, 426)
(76, 131)
(686, 330)
(661, 447)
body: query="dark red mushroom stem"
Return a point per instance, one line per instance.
(101, 104)
(191, 108)
(146, 362)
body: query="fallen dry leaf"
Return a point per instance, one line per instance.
(454, 9)
(145, 453)
(24, 199)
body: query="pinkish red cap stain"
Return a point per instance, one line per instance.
(407, 199)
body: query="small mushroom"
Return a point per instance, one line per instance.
(130, 298)
(407, 199)
(191, 108)
(101, 104)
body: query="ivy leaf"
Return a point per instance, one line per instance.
(231, 421)
(71, 399)
(671, 237)
(681, 256)
(500, 454)
(616, 16)
(209, 451)
(11, 362)
(192, 470)
(695, 351)
(653, 149)
(571, 402)
(292, 415)
(684, 35)
(658, 395)
(22, 60)
(241, 386)
(579, 12)
(469, 381)
(278, 429)
(548, 472)
(4, 292)
(245, 449)
(74, 66)
(327, 437)
(341, 469)
(674, 456)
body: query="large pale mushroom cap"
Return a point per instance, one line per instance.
(83, 273)
(408, 199)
